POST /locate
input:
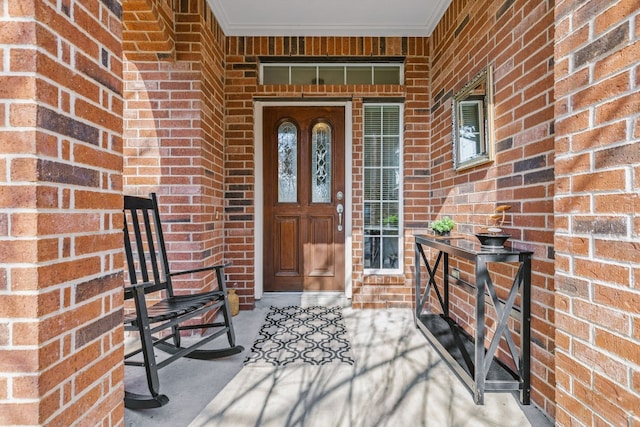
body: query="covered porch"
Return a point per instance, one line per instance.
(102, 98)
(398, 379)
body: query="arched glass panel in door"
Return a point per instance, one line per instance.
(321, 163)
(287, 163)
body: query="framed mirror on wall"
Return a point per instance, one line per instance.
(472, 122)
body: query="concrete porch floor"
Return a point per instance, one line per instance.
(398, 380)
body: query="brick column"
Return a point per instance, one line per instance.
(174, 135)
(597, 204)
(60, 213)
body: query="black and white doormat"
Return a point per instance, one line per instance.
(301, 335)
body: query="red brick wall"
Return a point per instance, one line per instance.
(60, 213)
(242, 87)
(149, 29)
(597, 225)
(174, 113)
(516, 39)
(189, 110)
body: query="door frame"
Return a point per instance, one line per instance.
(259, 187)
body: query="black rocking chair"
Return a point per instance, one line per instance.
(159, 322)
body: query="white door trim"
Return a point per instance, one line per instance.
(259, 188)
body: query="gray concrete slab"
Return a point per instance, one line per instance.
(398, 380)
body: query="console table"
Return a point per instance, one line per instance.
(474, 364)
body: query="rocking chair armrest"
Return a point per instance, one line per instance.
(199, 270)
(131, 289)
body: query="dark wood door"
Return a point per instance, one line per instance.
(304, 198)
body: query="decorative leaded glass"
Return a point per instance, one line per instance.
(287, 163)
(321, 163)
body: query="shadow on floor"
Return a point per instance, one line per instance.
(398, 380)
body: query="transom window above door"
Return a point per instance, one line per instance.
(331, 73)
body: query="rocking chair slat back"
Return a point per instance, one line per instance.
(159, 322)
(147, 251)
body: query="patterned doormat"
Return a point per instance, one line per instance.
(301, 335)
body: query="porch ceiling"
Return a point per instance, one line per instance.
(328, 17)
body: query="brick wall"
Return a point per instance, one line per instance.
(516, 39)
(149, 29)
(174, 113)
(60, 223)
(241, 89)
(189, 111)
(597, 226)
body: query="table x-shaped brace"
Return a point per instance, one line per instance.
(432, 282)
(503, 317)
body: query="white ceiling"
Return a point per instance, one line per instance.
(328, 17)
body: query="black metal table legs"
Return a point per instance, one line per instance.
(477, 366)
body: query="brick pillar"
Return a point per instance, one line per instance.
(61, 338)
(174, 136)
(597, 226)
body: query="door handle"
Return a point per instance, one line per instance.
(340, 210)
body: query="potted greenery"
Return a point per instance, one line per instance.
(443, 227)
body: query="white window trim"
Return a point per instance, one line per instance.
(400, 269)
(332, 64)
(259, 190)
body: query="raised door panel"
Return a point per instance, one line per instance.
(287, 251)
(321, 246)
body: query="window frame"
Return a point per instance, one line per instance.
(400, 262)
(344, 65)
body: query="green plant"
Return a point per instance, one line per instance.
(443, 225)
(390, 220)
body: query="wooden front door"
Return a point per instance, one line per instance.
(304, 198)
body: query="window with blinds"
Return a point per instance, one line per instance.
(331, 74)
(382, 186)
(471, 120)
